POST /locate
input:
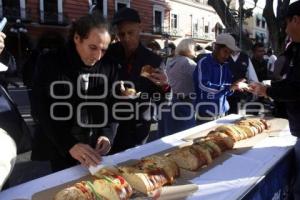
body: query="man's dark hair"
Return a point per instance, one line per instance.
(270, 51)
(153, 45)
(83, 25)
(198, 47)
(171, 45)
(257, 45)
(293, 9)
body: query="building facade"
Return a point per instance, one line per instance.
(193, 18)
(161, 19)
(255, 26)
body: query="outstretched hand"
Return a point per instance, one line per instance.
(103, 145)
(158, 78)
(240, 85)
(85, 154)
(258, 89)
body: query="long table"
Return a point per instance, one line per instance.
(232, 179)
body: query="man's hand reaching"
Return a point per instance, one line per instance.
(103, 145)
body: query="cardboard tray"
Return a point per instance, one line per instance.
(182, 187)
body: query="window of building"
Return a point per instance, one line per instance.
(259, 37)
(51, 11)
(257, 22)
(158, 18)
(10, 9)
(158, 21)
(262, 37)
(206, 28)
(174, 21)
(13, 9)
(195, 28)
(99, 6)
(121, 4)
(263, 24)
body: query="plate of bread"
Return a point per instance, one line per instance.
(164, 175)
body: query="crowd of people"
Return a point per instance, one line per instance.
(81, 111)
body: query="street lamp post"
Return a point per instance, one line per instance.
(241, 16)
(166, 37)
(18, 28)
(227, 9)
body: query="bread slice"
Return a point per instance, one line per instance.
(187, 158)
(266, 124)
(228, 130)
(259, 124)
(142, 181)
(129, 92)
(203, 150)
(221, 139)
(169, 166)
(108, 171)
(70, 193)
(215, 150)
(112, 188)
(79, 191)
(254, 129)
(147, 70)
(248, 130)
(240, 131)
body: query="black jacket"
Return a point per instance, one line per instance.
(135, 129)
(130, 70)
(261, 68)
(7, 59)
(65, 65)
(288, 89)
(239, 67)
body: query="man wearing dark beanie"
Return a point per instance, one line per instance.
(287, 90)
(132, 57)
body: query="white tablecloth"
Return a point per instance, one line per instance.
(229, 180)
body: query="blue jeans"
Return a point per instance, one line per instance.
(296, 187)
(182, 109)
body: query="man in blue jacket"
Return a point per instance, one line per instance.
(287, 90)
(213, 80)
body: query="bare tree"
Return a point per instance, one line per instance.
(230, 21)
(276, 24)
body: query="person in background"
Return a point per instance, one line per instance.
(241, 68)
(47, 41)
(180, 77)
(287, 90)
(7, 59)
(76, 136)
(281, 65)
(259, 63)
(271, 61)
(213, 80)
(154, 47)
(171, 51)
(132, 57)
